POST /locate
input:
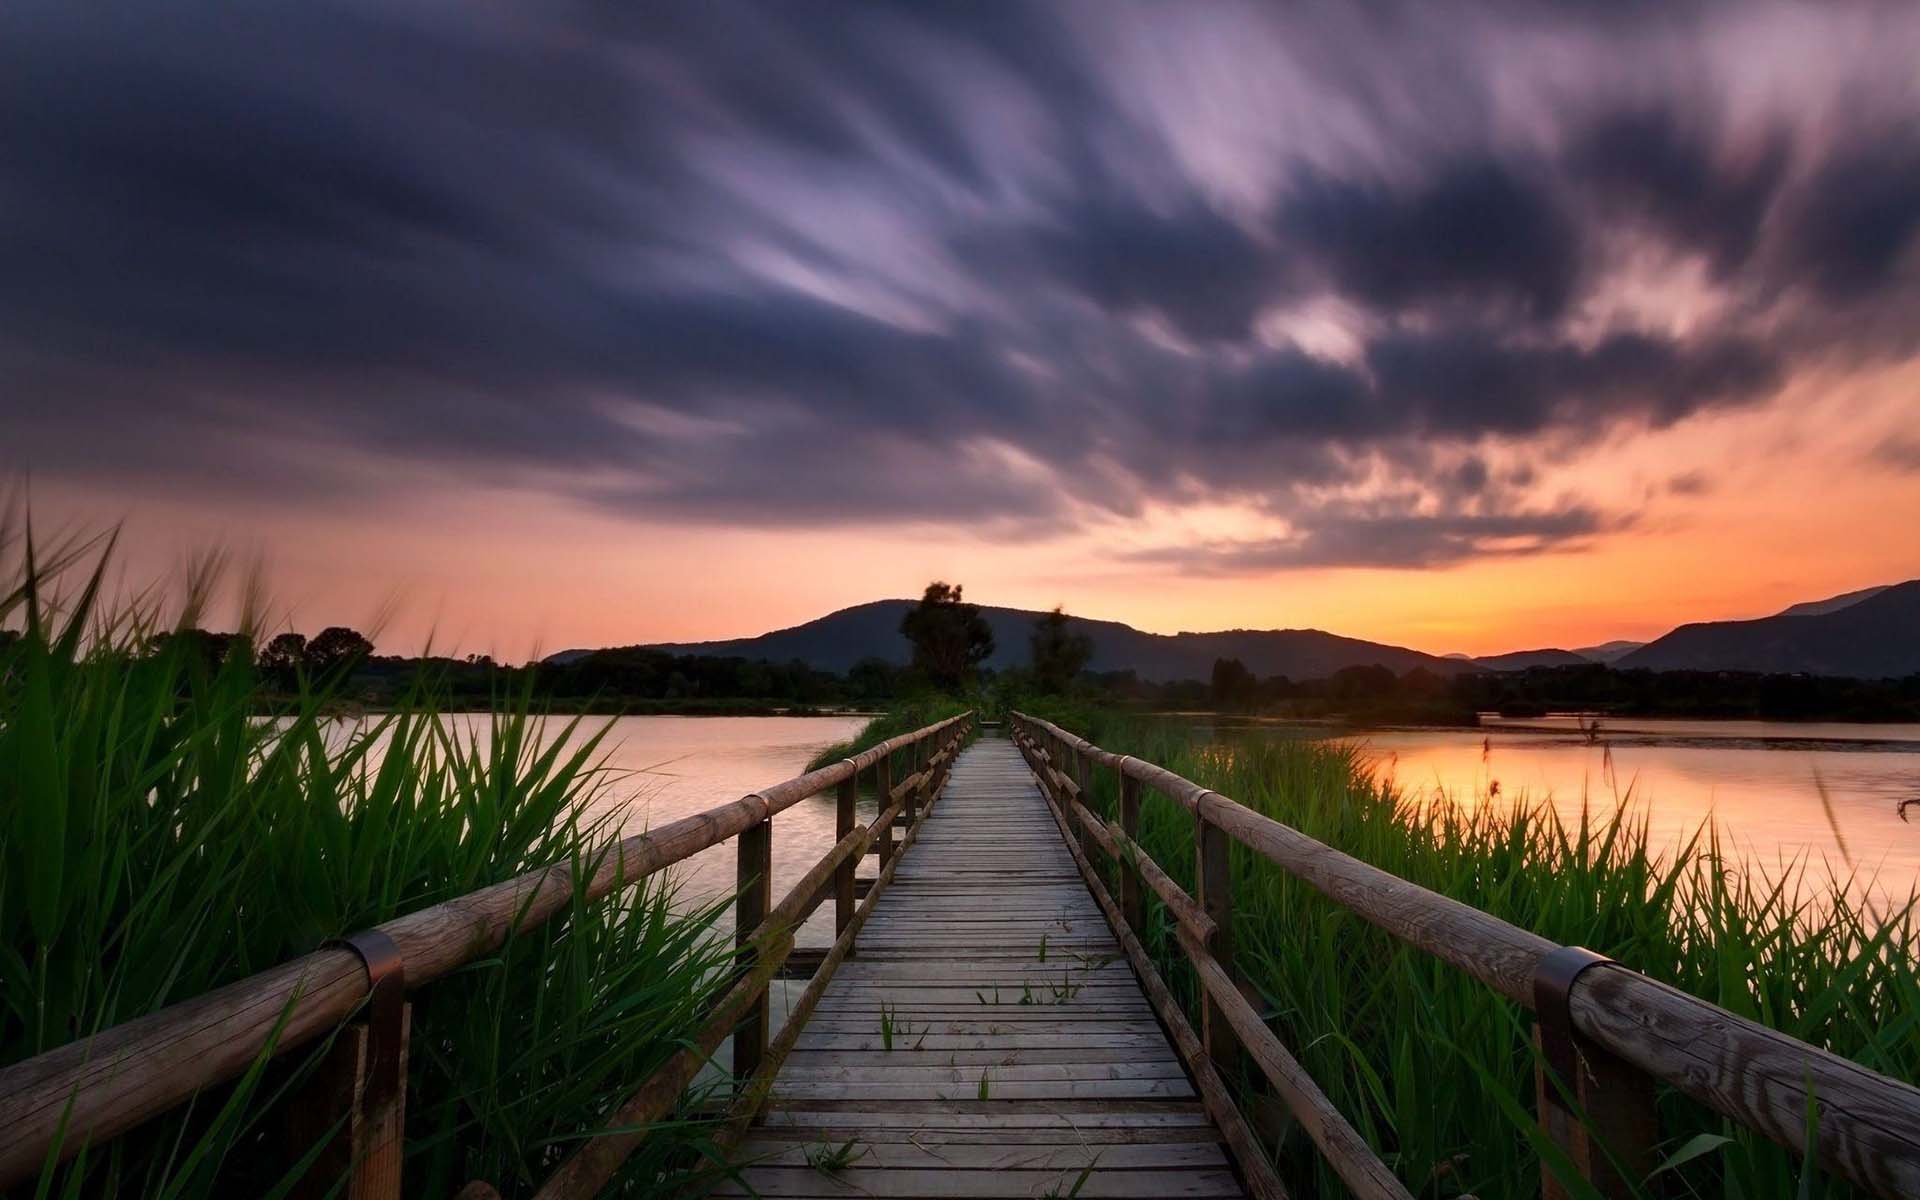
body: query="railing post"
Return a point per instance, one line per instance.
(916, 754)
(1613, 1147)
(753, 879)
(1130, 905)
(1215, 876)
(363, 1079)
(1081, 779)
(843, 891)
(883, 779)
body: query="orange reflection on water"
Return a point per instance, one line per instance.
(1760, 782)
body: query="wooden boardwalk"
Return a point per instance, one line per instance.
(1023, 1051)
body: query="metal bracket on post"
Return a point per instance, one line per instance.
(1553, 979)
(1594, 1106)
(368, 1072)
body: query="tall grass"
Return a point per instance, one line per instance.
(1430, 1065)
(901, 717)
(169, 828)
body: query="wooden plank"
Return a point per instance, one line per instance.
(817, 1132)
(947, 1184)
(97, 1087)
(1090, 1051)
(1757, 1076)
(992, 961)
(1054, 1155)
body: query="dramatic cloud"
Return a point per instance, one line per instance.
(784, 265)
(1344, 538)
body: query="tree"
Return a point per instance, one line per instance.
(1233, 685)
(334, 647)
(950, 638)
(1058, 655)
(282, 658)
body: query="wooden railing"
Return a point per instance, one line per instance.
(1605, 1033)
(90, 1091)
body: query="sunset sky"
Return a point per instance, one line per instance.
(1468, 327)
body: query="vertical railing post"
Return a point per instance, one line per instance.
(356, 1099)
(1596, 1108)
(843, 892)
(1082, 779)
(1215, 875)
(1130, 905)
(753, 881)
(883, 779)
(916, 754)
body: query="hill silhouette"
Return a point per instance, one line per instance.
(1876, 636)
(840, 639)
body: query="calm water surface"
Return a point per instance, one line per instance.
(1759, 781)
(672, 767)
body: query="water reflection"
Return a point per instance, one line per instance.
(1825, 793)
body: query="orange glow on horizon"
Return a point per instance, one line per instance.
(518, 573)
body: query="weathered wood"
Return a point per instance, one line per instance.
(1870, 1128)
(746, 1105)
(753, 881)
(589, 1169)
(93, 1089)
(1115, 843)
(1214, 871)
(1345, 1150)
(883, 782)
(846, 796)
(1016, 1018)
(365, 1141)
(1611, 1139)
(768, 1150)
(862, 1183)
(1133, 861)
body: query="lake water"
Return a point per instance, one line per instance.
(672, 767)
(1760, 781)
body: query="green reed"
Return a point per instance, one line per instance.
(170, 827)
(1432, 1067)
(902, 717)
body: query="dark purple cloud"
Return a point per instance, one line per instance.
(808, 265)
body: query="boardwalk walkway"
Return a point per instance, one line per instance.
(1023, 1051)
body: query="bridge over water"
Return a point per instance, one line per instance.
(987, 1022)
(1021, 1051)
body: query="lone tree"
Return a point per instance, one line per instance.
(334, 647)
(950, 638)
(1058, 655)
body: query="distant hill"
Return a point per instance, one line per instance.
(1520, 660)
(1818, 608)
(1608, 652)
(1873, 637)
(838, 640)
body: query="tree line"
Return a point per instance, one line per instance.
(951, 642)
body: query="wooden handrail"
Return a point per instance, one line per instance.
(94, 1089)
(1869, 1132)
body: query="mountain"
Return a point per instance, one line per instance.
(1520, 660)
(1608, 652)
(1819, 608)
(1875, 637)
(838, 640)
